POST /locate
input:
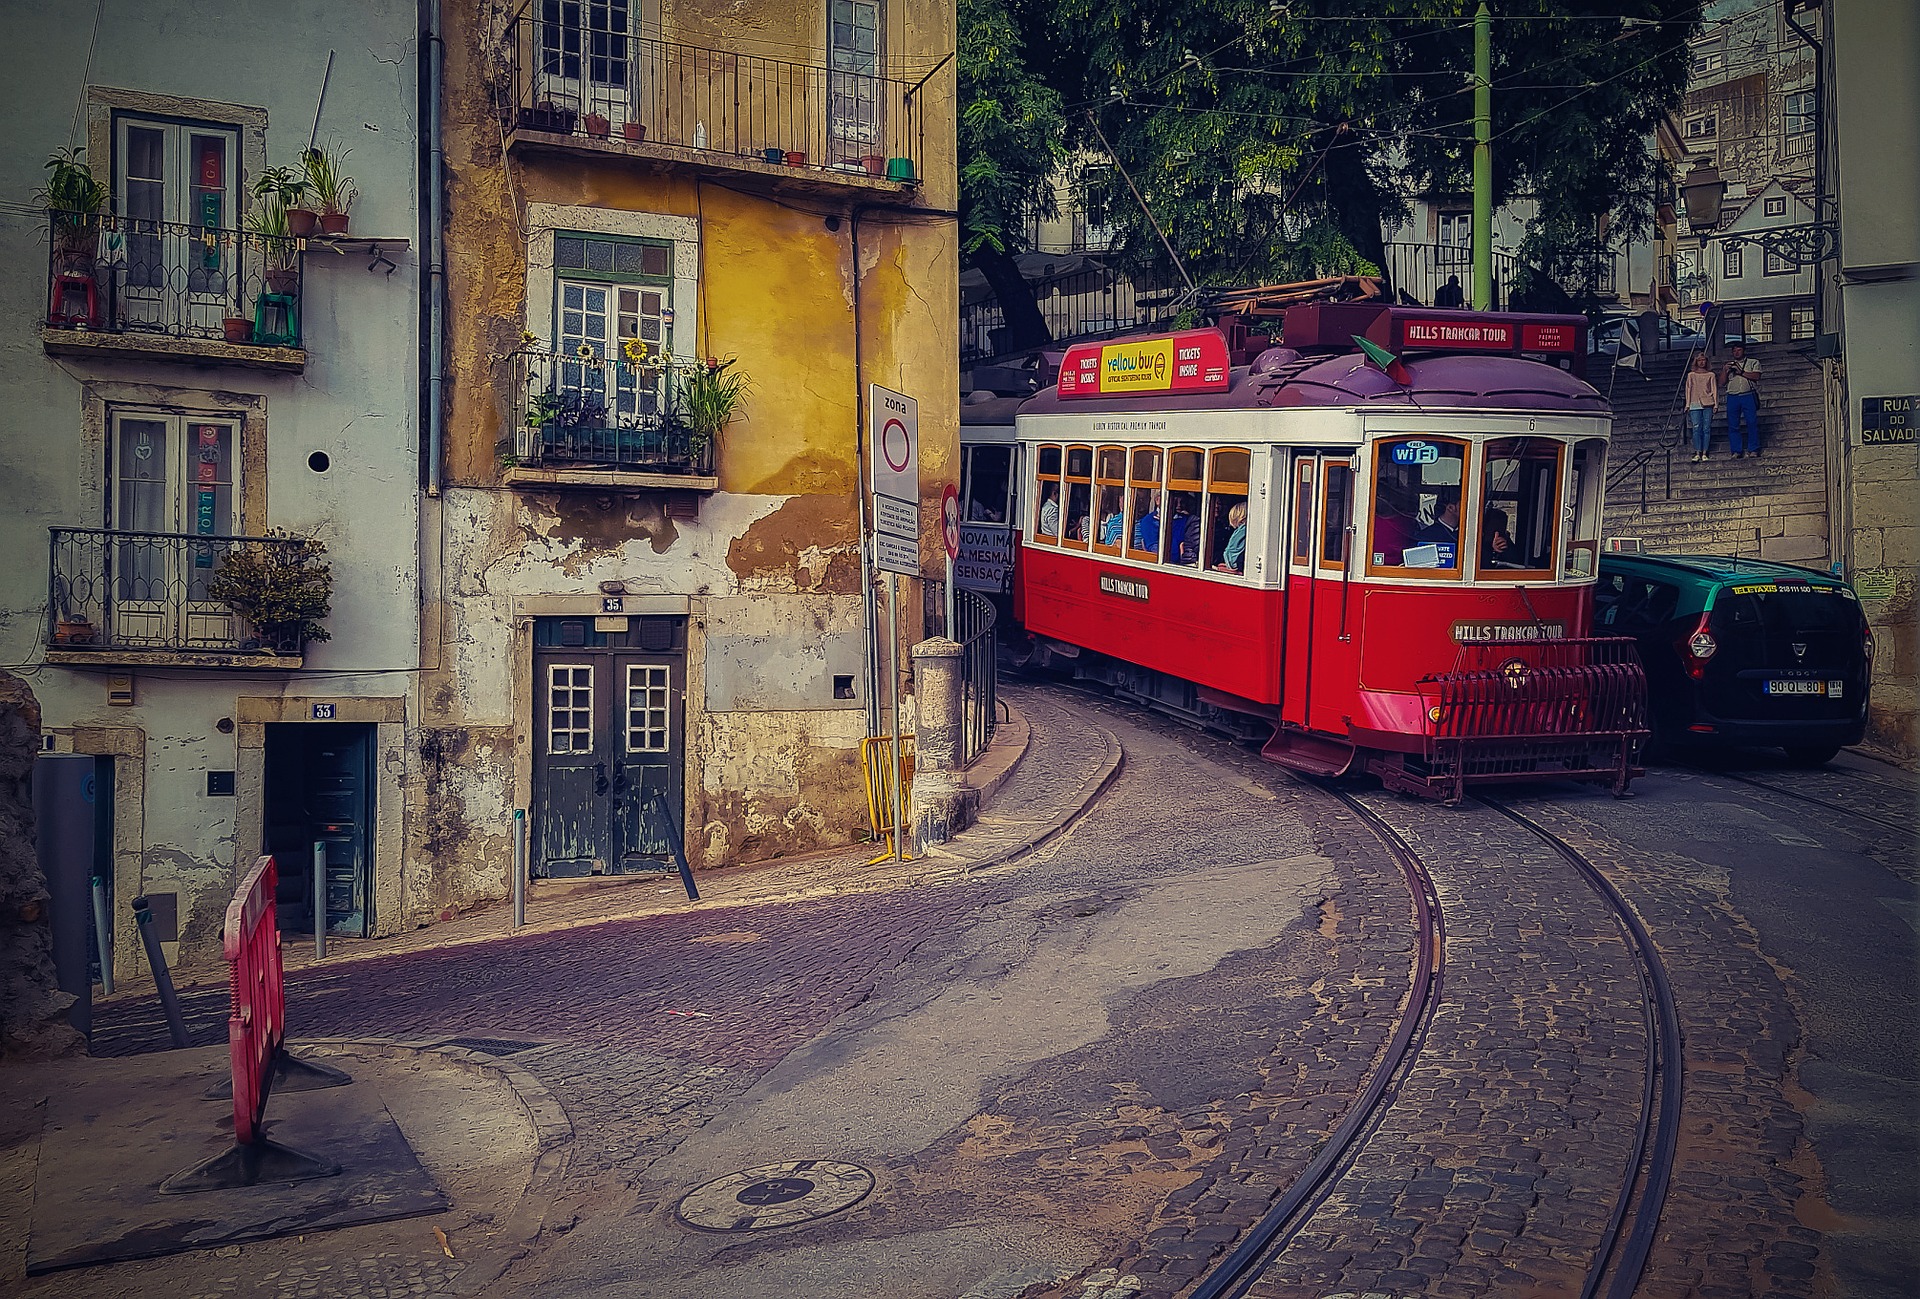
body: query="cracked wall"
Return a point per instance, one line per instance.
(768, 575)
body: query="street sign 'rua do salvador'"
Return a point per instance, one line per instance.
(1886, 420)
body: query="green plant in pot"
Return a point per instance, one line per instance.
(281, 584)
(74, 202)
(292, 190)
(332, 188)
(709, 398)
(279, 250)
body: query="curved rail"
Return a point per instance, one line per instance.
(1665, 1066)
(1895, 826)
(1268, 1236)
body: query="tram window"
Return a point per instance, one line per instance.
(1110, 499)
(989, 473)
(1520, 502)
(1303, 510)
(1336, 512)
(1079, 497)
(1227, 511)
(1589, 484)
(1416, 506)
(1143, 502)
(1046, 525)
(1186, 483)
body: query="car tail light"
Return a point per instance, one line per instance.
(1697, 648)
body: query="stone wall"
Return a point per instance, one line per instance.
(32, 1008)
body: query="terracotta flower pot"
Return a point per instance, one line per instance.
(796, 158)
(238, 329)
(597, 125)
(875, 164)
(301, 221)
(635, 131)
(333, 223)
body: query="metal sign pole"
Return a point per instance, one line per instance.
(319, 899)
(519, 867)
(952, 632)
(899, 741)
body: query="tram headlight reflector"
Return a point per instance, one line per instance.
(1433, 714)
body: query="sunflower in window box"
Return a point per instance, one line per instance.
(586, 355)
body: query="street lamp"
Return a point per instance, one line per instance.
(1702, 195)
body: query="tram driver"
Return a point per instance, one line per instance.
(1443, 534)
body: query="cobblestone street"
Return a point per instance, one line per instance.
(1093, 1069)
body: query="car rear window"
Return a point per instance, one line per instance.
(1785, 610)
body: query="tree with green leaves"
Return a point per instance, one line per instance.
(1271, 138)
(1012, 140)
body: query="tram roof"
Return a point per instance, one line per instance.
(1283, 378)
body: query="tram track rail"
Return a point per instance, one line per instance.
(1814, 800)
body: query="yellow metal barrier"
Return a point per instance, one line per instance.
(878, 765)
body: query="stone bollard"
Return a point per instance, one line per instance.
(942, 805)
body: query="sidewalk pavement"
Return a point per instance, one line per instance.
(502, 1164)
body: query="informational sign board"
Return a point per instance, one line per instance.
(896, 554)
(1457, 335)
(1885, 421)
(1193, 360)
(896, 518)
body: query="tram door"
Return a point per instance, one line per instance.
(1317, 544)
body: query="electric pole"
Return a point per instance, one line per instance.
(1482, 159)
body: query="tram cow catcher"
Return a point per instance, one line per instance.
(1372, 548)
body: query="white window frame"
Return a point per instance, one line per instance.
(1804, 114)
(546, 219)
(1733, 262)
(1773, 205)
(1773, 263)
(1703, 126)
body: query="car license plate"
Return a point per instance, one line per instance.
(1796, 687)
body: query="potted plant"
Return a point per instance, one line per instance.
(796, 158)
(332, 189)
(597, 124)
(875, 164)
(238, 329)
(267, 222)
(634, 131)
(74, 202)
(709, 397)
(289, 189)
(281, 584)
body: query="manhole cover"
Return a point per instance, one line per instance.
(774, 1195)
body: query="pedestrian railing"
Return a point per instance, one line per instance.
(1641, 466)
(974, 618)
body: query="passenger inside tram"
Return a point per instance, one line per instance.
(1049, 509)
(1079, 504)
(1233, 551)
(1183, 530)
(1395, 524)
(1112, 523)
(1496, 543)
(1146, 520)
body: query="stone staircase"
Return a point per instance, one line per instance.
(1777, 501)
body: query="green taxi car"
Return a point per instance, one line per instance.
(1742, 651)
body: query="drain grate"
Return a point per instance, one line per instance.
(495, 1045)
(774, 1195)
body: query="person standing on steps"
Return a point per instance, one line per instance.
(1703, 394)
(1740, 380)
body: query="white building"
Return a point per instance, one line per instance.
(177, 386)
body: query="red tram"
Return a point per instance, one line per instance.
(1377, 563)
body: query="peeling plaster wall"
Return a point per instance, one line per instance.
(356, 401)
(769, 573)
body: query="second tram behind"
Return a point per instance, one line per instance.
(1379, 564)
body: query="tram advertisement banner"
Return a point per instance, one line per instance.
(1194, 360)
(1457, 336)
(986, 558)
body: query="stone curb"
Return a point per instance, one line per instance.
(553, 1138)
(1112, 764)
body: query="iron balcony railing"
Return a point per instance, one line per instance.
(579, 70)
(1421, 271)
(124, 275)
(601, 413)
(119, 590)
(974, 617)
(1093, 303)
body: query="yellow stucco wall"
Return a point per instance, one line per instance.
(777, 544)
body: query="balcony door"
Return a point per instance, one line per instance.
(614, 298)
(176, 188)
(174, 479)
(853, 80)
(587, 58)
